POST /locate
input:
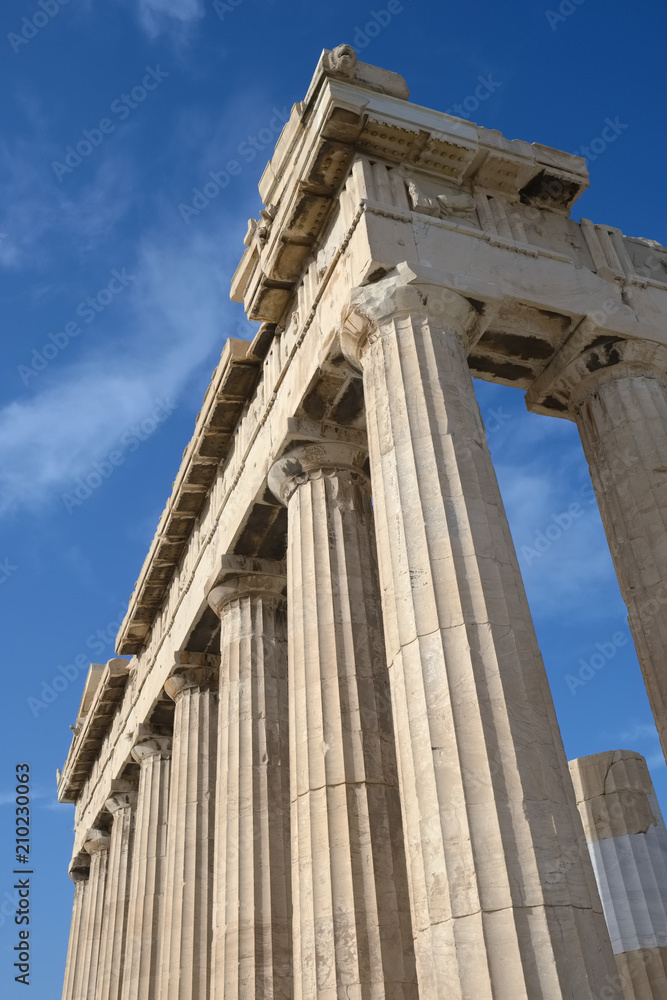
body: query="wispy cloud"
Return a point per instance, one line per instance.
(643, 738)
(176, 314)
(159, 15)
(9, 798)
(551, 507)
(36, 207)
(558, 537)
(170, 321)
(639, 731)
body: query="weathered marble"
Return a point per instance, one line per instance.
(121, 805)
(252, 951)
(352, 933)
(617, 393)
(79, 872)
(185, 965)
(97, 844)
(490, 820)
(152, 751)
(627, 840)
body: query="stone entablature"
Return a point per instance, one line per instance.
(93, 727)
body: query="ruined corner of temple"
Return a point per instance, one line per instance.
(326, 762)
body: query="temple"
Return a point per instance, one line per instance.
(325, 764)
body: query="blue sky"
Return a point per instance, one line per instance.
(115, 309)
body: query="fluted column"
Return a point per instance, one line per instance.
(617, 393)
(188, 904)
(121, 804)
(352, 930)
(97, 845)
(252, 955)
(503, 896)
(152, 750)
(627, 840)
(79, 872)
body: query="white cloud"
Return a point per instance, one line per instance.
(551, 507)
(9, 798)
(35, 205)
(640, 731)
(158, 15)
(170, 323)
(559, 539)
(156, 336)
(642, 737)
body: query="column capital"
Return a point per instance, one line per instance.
(189, 679)
(312, 461)
(590, 357)
(407, 290)
(96, 840)
(120, 800)
(79, 868)
(150, 743)
(245, 576)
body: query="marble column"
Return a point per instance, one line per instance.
(352, 929)
(627, 840)
(185, 967)
(121, 804)
(617, 393)
(252, 954)
(97, 845)
(504, 900)
(79, 873)
(152, 750)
